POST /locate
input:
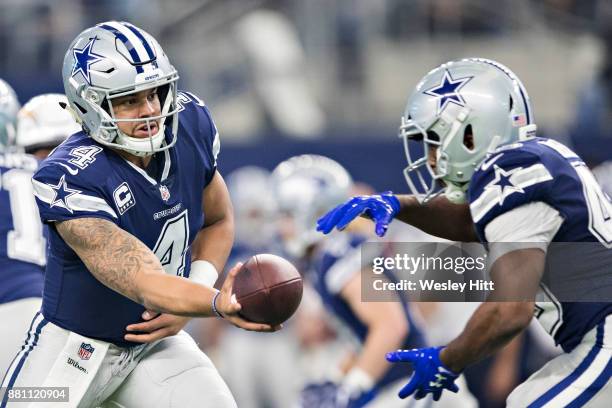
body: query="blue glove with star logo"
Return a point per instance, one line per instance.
(429, 376)
(381, 208)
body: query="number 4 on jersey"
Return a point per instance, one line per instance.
(83, 156)
(171, 246)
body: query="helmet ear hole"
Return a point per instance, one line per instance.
(511, 103)
(104, 105)
(82, 109)
(433, 136)
(468, 138)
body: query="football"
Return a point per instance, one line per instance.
(269, 289)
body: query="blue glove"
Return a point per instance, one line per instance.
(331, 395)
(429, 376)
(381, 208)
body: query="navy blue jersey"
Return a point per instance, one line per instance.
(543, 170)
(337, 262)
(162, 207)
(22, 245)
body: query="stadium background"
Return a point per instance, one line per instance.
(331, 77)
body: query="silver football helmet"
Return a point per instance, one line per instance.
(9, 106)
(115, 59)
(305, 187)
(44, 122)
(463, 110)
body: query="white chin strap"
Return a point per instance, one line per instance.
(141, 146)
(455, 194)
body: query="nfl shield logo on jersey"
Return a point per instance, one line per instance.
(165, 193)
(85, 351)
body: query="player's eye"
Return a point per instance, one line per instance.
(128, 102)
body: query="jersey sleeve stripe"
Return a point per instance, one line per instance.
(76, 202)
(521, 179)
(216, 147)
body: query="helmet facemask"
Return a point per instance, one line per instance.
(425, 181)
(108, 132)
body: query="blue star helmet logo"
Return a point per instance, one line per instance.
(448, 90)
(84, 58)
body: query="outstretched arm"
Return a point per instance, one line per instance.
(438, 217)
(123, 263)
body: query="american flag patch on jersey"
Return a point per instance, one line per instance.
(85, 351)
(519, 120)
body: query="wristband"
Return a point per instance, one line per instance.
(214, 305)
(203, 272)
(357, 381)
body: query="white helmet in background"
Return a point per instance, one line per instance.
(306, 187)
(44, 123)
(254, 206)
(9, 106)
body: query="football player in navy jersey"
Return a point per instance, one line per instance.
(304, 186)
(503, 184)
(36, 129)
(140, 222)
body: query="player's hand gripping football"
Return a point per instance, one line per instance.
(228, 307)
(381, 208)
(429, 376)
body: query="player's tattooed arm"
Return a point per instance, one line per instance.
(112, 255)
(123, 263)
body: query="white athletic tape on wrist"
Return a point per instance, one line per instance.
(357, 381)
(204, 273)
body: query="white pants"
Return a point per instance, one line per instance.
(577, 379)
(94, 370)
(15, 318)
(174, 373)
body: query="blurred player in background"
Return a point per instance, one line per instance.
(304, 187)
(41, 125)
(476, 124)
(21, 264)
(265, 361)
(127, 201)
